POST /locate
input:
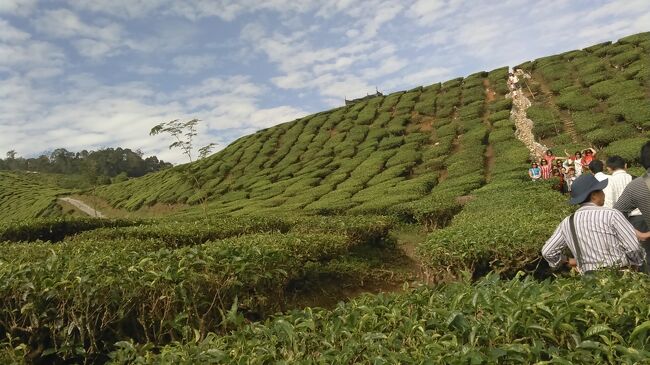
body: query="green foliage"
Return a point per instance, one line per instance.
(629, 149)
(605, 136)
(636, 112)
(576, 101)
(516, 322)
(22, 196)
(55, 229)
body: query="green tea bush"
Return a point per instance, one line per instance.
(604, 136)
(629, 149)
(547, 122)
(70, 300)
(598, 47)
(635, 38)
(576, 101)
(635, 111)
(517, 321)
(500, 115)
(587, 121)
(625, 58)
(55, 229)
(557, 86)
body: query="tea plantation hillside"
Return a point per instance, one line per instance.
(28, 195)
(598, 96)
(301, 212)
(421, 147)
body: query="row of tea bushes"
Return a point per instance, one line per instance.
(521, 321)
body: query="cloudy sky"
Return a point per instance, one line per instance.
(101, 73)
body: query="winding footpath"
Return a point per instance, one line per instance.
(524, 131)
(83, 207)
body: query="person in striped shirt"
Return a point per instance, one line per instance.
(605, 239)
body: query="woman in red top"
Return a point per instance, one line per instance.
(547, 169)
(549, 157)
(588, 156)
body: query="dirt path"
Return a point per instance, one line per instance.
(489, 158)
(567, 122)
(83, 207)
(524, 132)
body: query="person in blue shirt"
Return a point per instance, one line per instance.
(535, 172)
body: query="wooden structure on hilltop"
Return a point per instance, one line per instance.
(368, 96)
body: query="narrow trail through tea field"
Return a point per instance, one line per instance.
(84, 207)
(524, 125)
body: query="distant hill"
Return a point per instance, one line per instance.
(101, 166)
(28, 195)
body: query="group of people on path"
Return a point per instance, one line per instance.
(610, 227)
(565, 169)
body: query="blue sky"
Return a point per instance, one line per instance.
(93, 74)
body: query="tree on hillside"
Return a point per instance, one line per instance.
(183, 134)
(11, 154)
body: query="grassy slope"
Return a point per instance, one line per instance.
(27, 195)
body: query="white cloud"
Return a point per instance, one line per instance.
(10, 34)
(93, 41)
(30, 55)
(85, 114)
(146, 70)
(17, 7)
(193, 64)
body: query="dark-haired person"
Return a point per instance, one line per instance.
(588, 155)
(569, 178)
(636, 195)
(534, 172)
(546, 169)
(549, 157)
(597, 237)
(560, 185)
(596, 167)
(618, 180)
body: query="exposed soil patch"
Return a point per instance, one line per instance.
(462, 200)
(490, 161)
(427, 124)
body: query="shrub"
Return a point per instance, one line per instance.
(576, 101)
(604, 136)
(629, 148)
(503, 114)
(557, 86)
(636, 112)
(625, 58)
(587, 121)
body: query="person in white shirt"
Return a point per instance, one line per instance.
(573, 161)
(617, 182)
(596, 167)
